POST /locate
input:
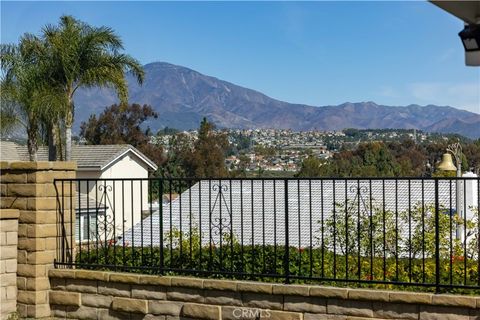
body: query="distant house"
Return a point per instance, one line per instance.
(96, 197)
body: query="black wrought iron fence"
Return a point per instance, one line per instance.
(405, 231)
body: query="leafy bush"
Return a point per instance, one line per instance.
(367, 249)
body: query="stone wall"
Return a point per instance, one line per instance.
(29, 187)
(82, 294)
(8, 261)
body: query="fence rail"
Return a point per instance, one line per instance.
(404, 231)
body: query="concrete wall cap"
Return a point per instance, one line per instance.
(9, 214)
(39, 165)
(61, 273)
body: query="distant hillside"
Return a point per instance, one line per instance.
(182, 97)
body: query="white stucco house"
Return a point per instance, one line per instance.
(121, 202)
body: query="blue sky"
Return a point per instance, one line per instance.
(318, 53)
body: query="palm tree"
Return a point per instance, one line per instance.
(26, 100)
(84, 56)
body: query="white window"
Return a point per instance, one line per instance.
(87, 226)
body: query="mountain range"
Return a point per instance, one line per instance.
(182, 97)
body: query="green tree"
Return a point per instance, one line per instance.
(25, 98)
(123, 125)
(80, 55)
(311, 167)
(207, 159)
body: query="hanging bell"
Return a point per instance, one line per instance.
(447, 163)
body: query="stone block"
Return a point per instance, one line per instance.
(42, 176)
(32, 297)
(12, 237)
(130, 305)
(396, 310)
(369, 295)
(42, 230)
(187, 282)
(38, 216)
(305, 304)
(21, 256)
(242, 313)
(22, 310)
(220, 297)
(22, 190)
(255, 287)
(329, 292)
(81, 312)
(154, 317)
(109, 314)
(262, 301)
(8, 279)
(10, 265)
(45, 203)
(91, 275)
(41, 257)
(350, 308)
(65, 298)
(62, 273)
(123, 277)
(165, 308)
(22, 230)
(38, 311)
(226, 285)
(58, 312)
(281, 315)
(288, 289)
(13, 203)
(38, 283)
(201, 311)
(32, 244)
(14, 177)
(9, 213)
(96, 300)
(11, 293)
(444, 313)
(29, 165)
(22, 283)
(8, 225)
(185, 294)
(149, 292)
(50, 243)
(81, 285)
(3, 238)
(454, 300)
(410, 297)
(315, 316)
(114, 289)
(155, 280)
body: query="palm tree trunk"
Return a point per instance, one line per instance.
(60, 143)
(52, 146)
(32, 144)
(68, 134)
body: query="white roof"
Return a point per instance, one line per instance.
(258, 207)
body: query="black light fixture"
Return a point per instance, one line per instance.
(470, 36)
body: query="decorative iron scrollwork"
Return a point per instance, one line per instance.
(221, 225)
(105, 226)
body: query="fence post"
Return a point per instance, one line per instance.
(287, 246)
(437, 239)
(160, 217)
